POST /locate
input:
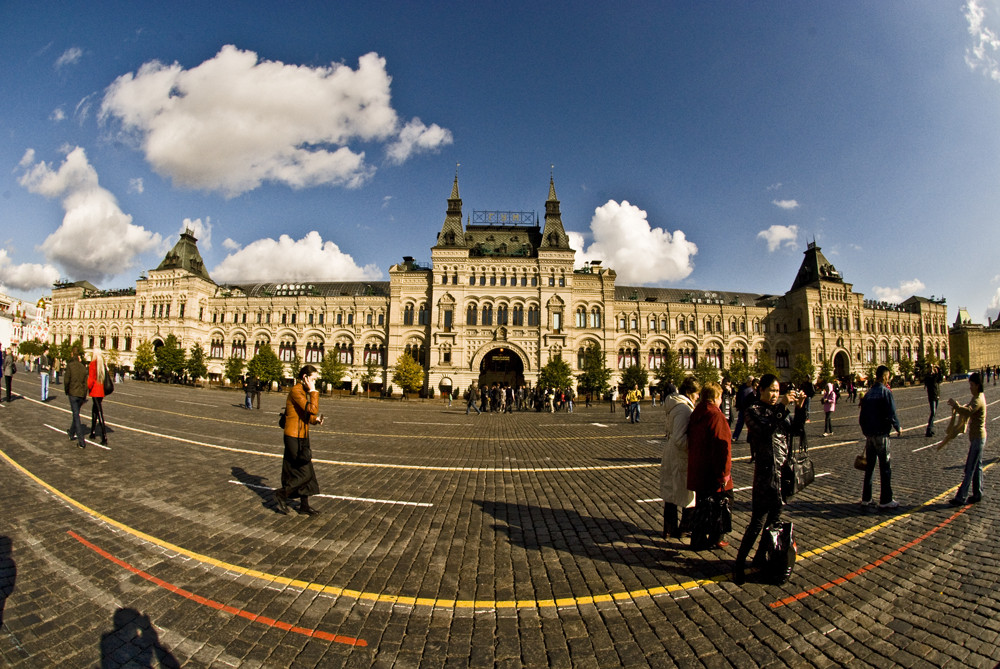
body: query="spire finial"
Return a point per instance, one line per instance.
(454, 188)
(552, 183)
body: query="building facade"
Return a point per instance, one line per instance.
(974, 346)
(499, 300)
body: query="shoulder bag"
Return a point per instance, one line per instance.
(798, 470)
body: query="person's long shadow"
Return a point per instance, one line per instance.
(8, 573)
(257, 485)
(133, 642)
(605, 539)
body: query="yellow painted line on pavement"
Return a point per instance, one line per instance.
(487, 604)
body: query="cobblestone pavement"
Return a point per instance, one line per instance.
(530, 539)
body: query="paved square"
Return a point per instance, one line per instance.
(528, 539)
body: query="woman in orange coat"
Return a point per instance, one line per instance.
(95, 387)
(298, 479)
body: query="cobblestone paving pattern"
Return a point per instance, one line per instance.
(528, 539)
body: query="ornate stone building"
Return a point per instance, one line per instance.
(975, 346)
(500, 299)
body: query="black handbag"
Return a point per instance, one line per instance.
(798, 470)
(109, 384)
(281, 420)
(776, 553)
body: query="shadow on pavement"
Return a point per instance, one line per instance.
(606, 539)
(8, 573)
(133, 642)
(257, 485)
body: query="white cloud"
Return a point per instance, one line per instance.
(777, 236)
(982, 55)
(136, 185)
(416, 137)
(96, 239)
(640, 254)
(306, 259)
(234, 121)
(202, 230)
(897, 294)
(787, 205)
(775, 186)
(70, 56)
(26, 276)
(231, 245)
(57, 115)
(994, 304)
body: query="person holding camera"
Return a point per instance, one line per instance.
(772, 426)
(298, 478)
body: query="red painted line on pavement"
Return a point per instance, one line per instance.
(868, 567)
(305, 631)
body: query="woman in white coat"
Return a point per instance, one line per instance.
(674, 468)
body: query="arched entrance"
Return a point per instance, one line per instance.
(841, 364)
(501, 365)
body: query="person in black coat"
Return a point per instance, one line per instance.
(771, 428)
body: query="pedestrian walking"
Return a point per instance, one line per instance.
(44, 370)
(470, 399)
(632, 398)
(744, 399)
(613, 398)
(878, 418)
(932, 382)
(97, 372)
(829, 398)
(9, 369)
(771, 427)
(298, 478)
(674, 464)
(75, 386)
(975, 412)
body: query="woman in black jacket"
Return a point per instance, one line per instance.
(771, 427)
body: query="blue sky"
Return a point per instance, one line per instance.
(694, 144)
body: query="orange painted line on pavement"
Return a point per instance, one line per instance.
(868, 567)
(271, 622)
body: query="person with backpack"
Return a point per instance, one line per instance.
(772, 427)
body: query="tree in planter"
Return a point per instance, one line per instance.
(66, 347)
(906, 369)
(706, 372)
(196, 367)
(373, 372)
(635, 375)
(670, 370)
(803, 370)
(332, 370)
(265, 366)
(234, 369)
(764, 365)
(738, 372)
(170, 357)
(825, 372)
(145, 358)
(294, 365)
(555, 374)
(408, 374)
(30, 349)
(596, 374)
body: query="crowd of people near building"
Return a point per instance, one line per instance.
(505, 398)
(696, 483)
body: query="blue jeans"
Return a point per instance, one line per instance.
(930, 421)
(973, 470)
(76, 431)
(472, 405)
(739, 425)
(877, 448)
(45, 386)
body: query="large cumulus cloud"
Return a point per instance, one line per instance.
(287, 259)
(235, 121)
(96, 238)
(640, 254)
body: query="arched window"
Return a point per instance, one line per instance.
(581, 317)
(470, 315)
(517, 315)
(239, 348)
(407, 315)
(423, 315)
(595, 318)
(533, 316)
(487, 314)
(502, 314)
